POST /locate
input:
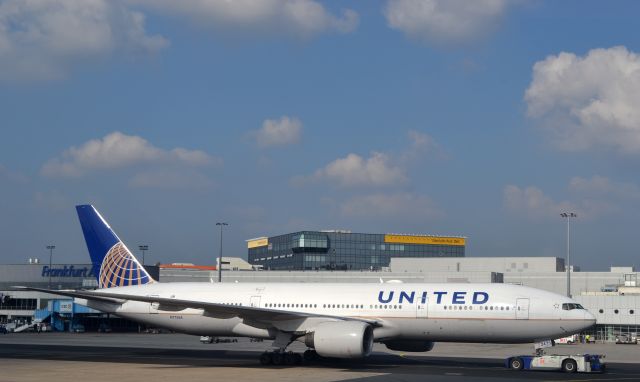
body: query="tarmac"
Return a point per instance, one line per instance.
(27, 357)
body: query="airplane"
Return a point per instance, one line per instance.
(338, 320)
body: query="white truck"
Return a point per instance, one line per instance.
(569, 340)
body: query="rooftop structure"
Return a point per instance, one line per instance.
(344, 250)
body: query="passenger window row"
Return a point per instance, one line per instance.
(385, 307)
(282, 305)
(326, 306)
(616, 311)
(343, 306)
(382, 306)
(466, 307)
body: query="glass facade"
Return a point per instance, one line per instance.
(19, 304)
(319, 250)
(608, 333)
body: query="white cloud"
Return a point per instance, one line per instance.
(532, 203)
(599, 186)
(403, 205)
(117, 150)
(588, 102)
(298, 18)
(354, 170)
(378, 170)
(421, 143)
(43, 39)
(193, 157)
(420, 140)
(444, 21)
(278, 132)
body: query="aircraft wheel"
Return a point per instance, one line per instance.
(266, 359)
(516, 364)
(278, 358)
(297, 358)
(289, 358)
(569, 366)
(310, 355)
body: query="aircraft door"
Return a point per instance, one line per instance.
(422, 308)
(153, 307)
(255, 301)
(522, 309)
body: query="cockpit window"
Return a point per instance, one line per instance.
(570, 306)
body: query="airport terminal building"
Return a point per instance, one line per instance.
(22, 308)
(344, 250)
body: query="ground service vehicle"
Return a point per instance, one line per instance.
(626, 339)
(569, 340)
(584, 363)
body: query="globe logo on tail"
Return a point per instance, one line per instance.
(120, 268)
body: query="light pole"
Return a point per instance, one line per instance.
(221, 224)
(568, 216)
(143, 248)
(50, 248)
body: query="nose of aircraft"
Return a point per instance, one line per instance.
(590, 319)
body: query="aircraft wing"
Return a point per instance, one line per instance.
(74, 293)
(216, 310)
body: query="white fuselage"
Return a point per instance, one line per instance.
(497, 313)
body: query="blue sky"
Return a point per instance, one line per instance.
(484, 118)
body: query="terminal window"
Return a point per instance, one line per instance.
(19, 304)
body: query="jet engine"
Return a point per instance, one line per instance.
(409, 345)
(343, 339)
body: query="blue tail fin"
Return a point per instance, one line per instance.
(113, 264)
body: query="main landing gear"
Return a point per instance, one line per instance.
(310, 355)
(287, 358)
(280, 358)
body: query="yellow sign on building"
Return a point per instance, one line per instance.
(434, 240)
(259, 242)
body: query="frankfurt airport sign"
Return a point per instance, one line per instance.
(67, 271)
